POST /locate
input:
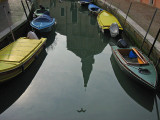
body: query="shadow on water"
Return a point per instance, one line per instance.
(11, 90)
(140, 94)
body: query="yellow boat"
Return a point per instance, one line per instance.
(17, 56)
(105, 20)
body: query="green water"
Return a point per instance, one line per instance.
(76, 77)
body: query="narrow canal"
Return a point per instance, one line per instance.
(76, 77)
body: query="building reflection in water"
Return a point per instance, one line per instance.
(82, 34)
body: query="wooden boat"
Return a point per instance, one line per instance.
(43, 23)
(139, 68)
(94, 9)
(106, 19)
(18, 55)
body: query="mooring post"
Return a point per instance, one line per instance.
(24, 10)
(127, 14)
(154, 43)
(28, 6)
(9, 23)
(117, 9)
(148, 28)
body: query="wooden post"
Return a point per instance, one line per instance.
(154, 43)
(148, 28)
(127, 14)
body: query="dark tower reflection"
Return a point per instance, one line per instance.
(87, 68)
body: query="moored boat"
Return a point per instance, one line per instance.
(94, 9)
(43, 23)
(18, 55)
(136, 65)
(84, 2)
(106, 19)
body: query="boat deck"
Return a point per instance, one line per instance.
(18, 50)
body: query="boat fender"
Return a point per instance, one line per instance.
(122, 43)
(32, 35)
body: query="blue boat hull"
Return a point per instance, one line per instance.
(43, 26)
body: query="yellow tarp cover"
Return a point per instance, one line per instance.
(105, 20)
(17, 52)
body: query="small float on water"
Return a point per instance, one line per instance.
(43, 23)
(107, 21)
(136, 65)
(94, 9)
(17, 56)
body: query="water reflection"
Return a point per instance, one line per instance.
(82, 34)
(12, 90)
(73, 9)
(136, 91)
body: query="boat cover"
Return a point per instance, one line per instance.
(18, 50)
(105, 20)
(43, 21)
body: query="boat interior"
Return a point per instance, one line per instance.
(138, 59)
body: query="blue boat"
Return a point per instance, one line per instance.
(94, 9)
(43, 23)
(84, 2)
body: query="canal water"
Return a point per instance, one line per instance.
(76, 77)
